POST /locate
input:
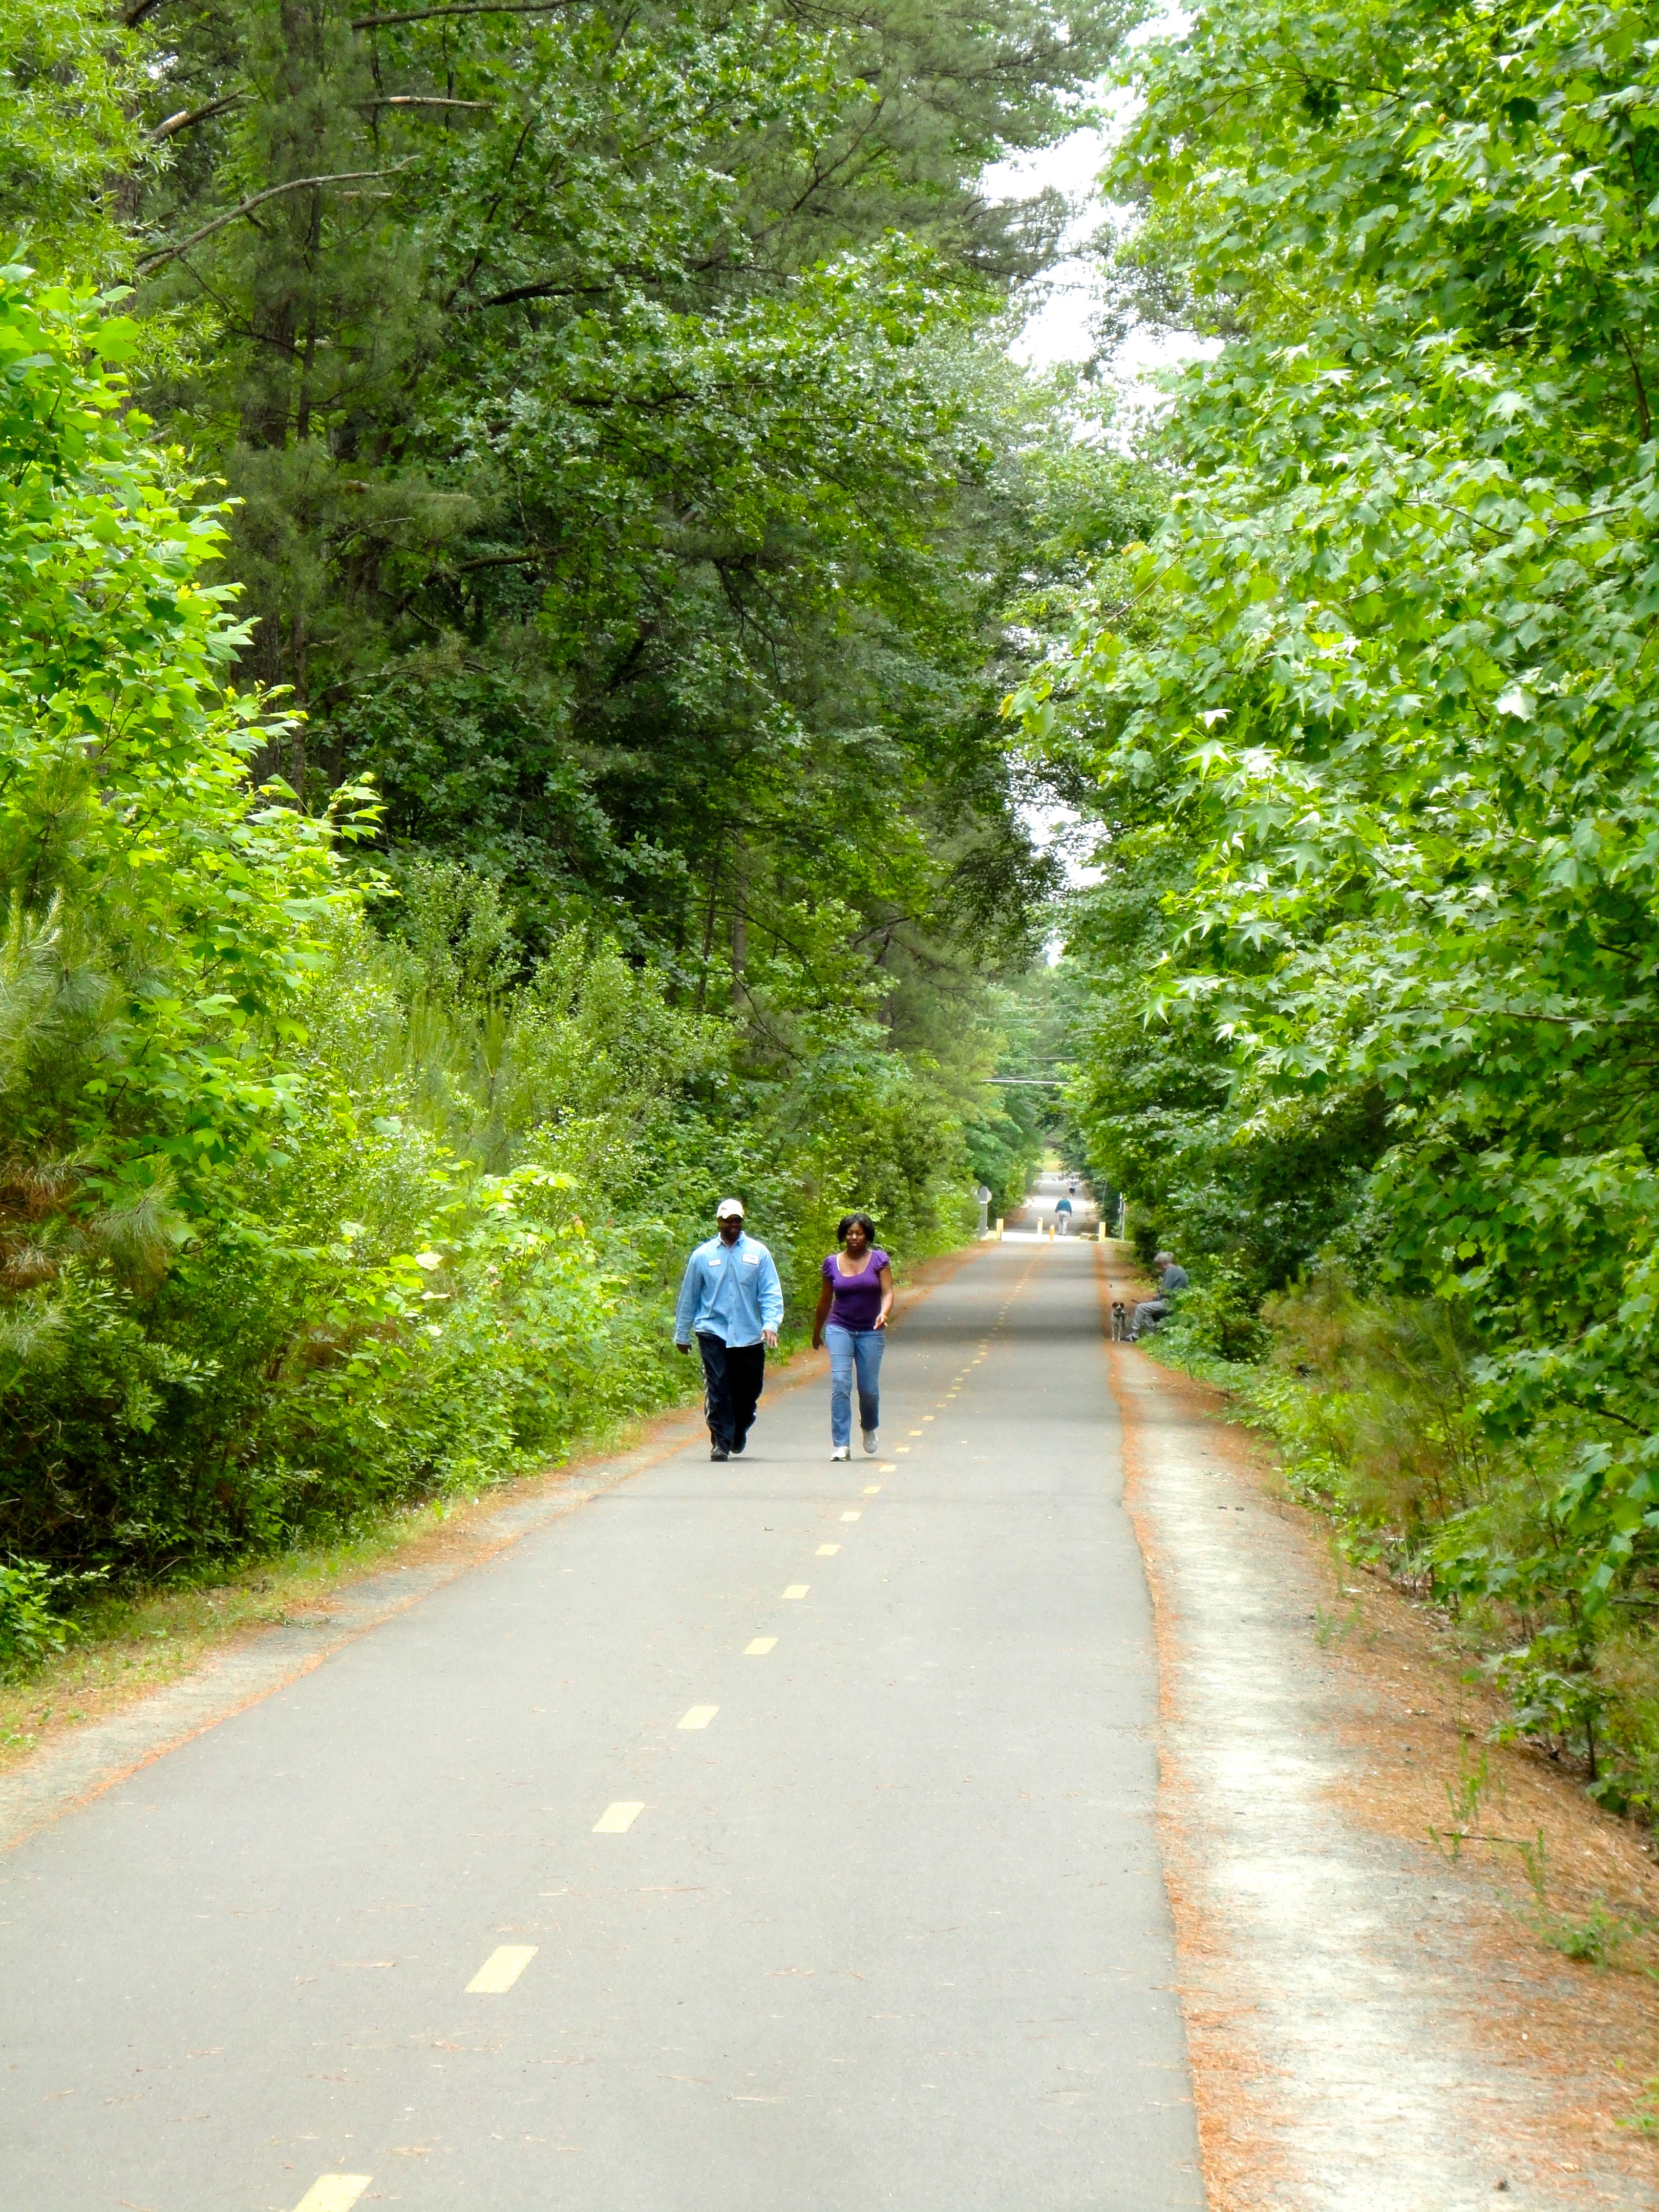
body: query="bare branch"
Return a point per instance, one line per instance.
(149, 262)
(187, 117)
(542, 291)
(422, 99)
(481, 8)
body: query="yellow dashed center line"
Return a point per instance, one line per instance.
(500, 1970)
(340, 2192)
(334, 2192)
(616, 1819)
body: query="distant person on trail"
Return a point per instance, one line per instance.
(1063, 1217)
(1151, 1311)
(854, 1304)
(731, 1301)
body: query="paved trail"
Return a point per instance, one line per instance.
(796, 1819)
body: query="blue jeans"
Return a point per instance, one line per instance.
(850, 1348)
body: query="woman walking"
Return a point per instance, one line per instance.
(854, 1304)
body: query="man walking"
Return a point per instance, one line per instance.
(731, 1301)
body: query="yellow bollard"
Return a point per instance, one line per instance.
(1100, 1232)
(998, 1228)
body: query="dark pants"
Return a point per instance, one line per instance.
(733, 1377)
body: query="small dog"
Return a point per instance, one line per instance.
(1119, 1322)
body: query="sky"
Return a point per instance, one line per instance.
(1059, 331)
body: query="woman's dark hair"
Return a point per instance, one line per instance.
(850, 1220)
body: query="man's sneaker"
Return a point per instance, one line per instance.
(870, 1444)
(739, 1447)
(719, 1451)
(842, 1451)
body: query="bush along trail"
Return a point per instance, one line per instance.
(1365, 998)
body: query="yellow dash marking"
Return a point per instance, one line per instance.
(914, 1432)
(334, 2192)
(760, 1647)
(872, 1490)
(699, 1715)
(616, 1819)
(927, 1417)
(500, 1970)
(901, 1448)
(827, 1551)
(852, 1516)
(887, 1466)
(797, 1590)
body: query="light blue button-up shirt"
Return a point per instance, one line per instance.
(730, 1291)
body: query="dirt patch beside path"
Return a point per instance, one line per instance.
(1374, 2023)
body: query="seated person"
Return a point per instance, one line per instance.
(1171, 1281)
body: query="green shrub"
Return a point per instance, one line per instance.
(1213, 1318)
(31, 1627)
(1376, 1405)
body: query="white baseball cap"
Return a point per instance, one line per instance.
(727, 1207)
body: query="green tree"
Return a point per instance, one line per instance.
(68, 134)
(1388, 665)
(616, 440)
(164, 915)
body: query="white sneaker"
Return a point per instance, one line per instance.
(842, 1451)
(870, 1444)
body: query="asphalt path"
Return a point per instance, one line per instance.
(772, 1836)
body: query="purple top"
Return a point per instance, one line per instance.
(858, 1297)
